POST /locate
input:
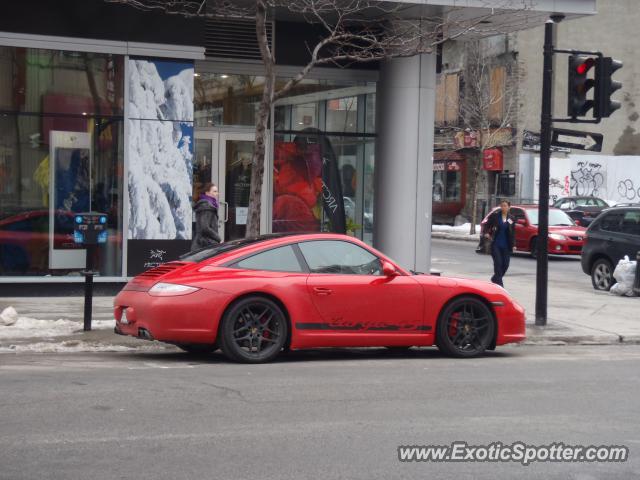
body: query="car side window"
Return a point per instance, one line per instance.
(281, 259)
(611, 222)
(631, 223)
(601, 203)
(335, 256)
(518, 214)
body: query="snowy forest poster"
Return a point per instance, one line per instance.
(160, 149)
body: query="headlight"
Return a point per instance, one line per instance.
(171, 289)
(557, 236)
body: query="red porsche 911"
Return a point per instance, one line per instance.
(255, 297)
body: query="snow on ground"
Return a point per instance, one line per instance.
(20, 327)
(459, 230)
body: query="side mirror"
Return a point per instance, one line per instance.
(521, 221)
(389, 270)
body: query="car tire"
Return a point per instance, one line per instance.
(533, 247)
(466, 327)
(602, 275)
(197, 348)
(246, 337)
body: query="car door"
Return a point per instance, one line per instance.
(629, 238)
(352, 295)
(609, 238)
(522, 237)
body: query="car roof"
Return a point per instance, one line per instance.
(241, 245)
(531, 206)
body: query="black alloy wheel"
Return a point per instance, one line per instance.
(253, 330)
(602, 275)
(466, 328)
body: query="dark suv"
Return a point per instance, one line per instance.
(611, 236)
(583, 210)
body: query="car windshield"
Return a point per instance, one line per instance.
(210, 252)
(557, 218)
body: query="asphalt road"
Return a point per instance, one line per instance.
(454, 257)
(332, 414)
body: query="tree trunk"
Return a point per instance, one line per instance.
(262, 119)
(474, 194)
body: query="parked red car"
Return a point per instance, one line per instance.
(255, 297)
(565, 237)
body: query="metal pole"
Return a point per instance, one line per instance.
(543, 194)
(88, 288)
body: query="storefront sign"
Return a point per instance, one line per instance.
(466, 139)
(146, 254)
(454, 166)
(492, 159)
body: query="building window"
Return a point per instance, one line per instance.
(224, 99)
(324, 159)
(61, 153)
(447, 181)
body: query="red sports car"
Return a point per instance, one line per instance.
(565, 237)
(255, 297)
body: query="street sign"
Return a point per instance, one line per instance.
(577, 140)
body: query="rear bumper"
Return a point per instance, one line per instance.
(189, 318)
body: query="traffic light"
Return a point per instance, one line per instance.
(605, 87)
(579, 85)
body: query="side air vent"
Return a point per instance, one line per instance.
(225, 38)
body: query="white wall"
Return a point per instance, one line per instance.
(612, 178)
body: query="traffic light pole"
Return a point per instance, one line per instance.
(546, 124)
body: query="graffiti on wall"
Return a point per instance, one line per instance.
(587, 179)
(627, 190)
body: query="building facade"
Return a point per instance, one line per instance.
(107, 108)
(614, 173)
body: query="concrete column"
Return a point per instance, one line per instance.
(404, 160)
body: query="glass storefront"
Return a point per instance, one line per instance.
(61, 153)
(324, 146)
(222, 99)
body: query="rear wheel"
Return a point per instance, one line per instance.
(602, 274)
(253, 330)
(465, 328)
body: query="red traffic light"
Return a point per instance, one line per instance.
(584, 67)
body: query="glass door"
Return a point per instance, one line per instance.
(224, 158)
(235, 155)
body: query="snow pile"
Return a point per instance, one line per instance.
(73, 346)
(160, 154)
(9, 316)
(27, 327)
(624, 274)
(459, 230)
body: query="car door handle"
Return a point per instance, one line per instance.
(322, 291)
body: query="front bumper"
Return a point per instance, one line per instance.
(511, 323)
(565, 247)
(189, 318)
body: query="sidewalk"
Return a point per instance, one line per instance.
(54, 324)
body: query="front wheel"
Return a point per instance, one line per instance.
(465, 328)
(253, 330)
(602, 275)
